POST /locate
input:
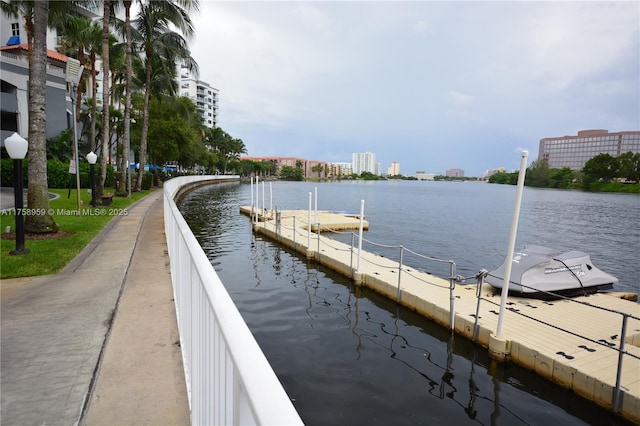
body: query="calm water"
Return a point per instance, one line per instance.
(347, 356)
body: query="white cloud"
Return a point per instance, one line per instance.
(421, 27)
(460, 98)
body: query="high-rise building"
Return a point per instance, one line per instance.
(363, 162)
(202, 94)
(394, 169)
(454, 173)
(575, 151)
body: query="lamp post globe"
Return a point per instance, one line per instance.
(17, 148)
(92, 158)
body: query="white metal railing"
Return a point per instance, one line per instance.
(229, 380)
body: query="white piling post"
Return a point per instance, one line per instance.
(264, 212)
(251, 191)
(309, 225)
(512, 242)
(360, 235)
(257, 199)
(270, 198)
(316, 202)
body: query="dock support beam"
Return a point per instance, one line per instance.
(499, 348)
(358, 278)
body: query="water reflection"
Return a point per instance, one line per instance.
(349, 356)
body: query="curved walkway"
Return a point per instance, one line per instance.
(97, 342)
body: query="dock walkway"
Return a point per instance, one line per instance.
(572, 344)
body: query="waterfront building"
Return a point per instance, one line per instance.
(310, 168)
(488, 173)
(14, 68)
(363, 162)
(575, 151)
(454, 173)
(14, 77)
(394, 169)
(341, 169)
(202, 94)
(422, 175)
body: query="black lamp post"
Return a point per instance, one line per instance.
(92, 158)
(17, 148)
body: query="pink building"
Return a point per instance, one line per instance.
(311, 168)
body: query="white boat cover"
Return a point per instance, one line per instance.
(538, 268)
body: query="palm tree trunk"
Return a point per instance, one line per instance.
(145, 125)
(106, 88)
(124, 169)
(94, 104)
(38, 189)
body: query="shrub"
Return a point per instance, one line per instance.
(6, 172)
(110, 180)
(147, 180)
(58, 175)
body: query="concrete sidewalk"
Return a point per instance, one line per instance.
(98, 342)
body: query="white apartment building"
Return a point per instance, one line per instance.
(202, 94)
(422, 175)
(15, 26)
(364, 162)
(14, 76)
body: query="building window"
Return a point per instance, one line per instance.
(15, 29)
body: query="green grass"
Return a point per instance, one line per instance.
(49, 256)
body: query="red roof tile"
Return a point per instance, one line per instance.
(50, 53)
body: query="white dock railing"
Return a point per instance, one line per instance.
(229, 380)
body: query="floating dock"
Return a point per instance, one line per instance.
(574, 343)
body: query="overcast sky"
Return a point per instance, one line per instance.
(431, 85)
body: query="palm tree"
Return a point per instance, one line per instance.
(106, 88)
(162, 48)
(38, 189)
(122, 186)
(126, 73)
(117, 61)
(36, 16)
(82, 35)
(226, 149)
